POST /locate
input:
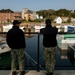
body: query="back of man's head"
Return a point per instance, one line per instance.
(15, 22)
(48, 22)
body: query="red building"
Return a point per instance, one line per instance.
(9, 17)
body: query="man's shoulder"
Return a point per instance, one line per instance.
(55, 28)
(42, 29)
(20, 30)
(9, 30)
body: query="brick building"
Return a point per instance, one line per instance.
(9, 17)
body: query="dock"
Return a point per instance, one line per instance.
(42, 72)
(4, 49)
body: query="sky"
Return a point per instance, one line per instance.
(36, 5)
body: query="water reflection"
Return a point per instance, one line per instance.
(61, 56)
(31, 55)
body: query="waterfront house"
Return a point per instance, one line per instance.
(58, 20)
(28, 14)
(65, 19)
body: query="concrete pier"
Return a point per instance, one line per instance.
(42, 72)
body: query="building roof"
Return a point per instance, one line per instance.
(29, 12)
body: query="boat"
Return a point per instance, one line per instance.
(38, 27)
(6, 28)
(42, 25)
(4, 48)
(64, 41)
(4, 55)
(66, 28)
(71, 28)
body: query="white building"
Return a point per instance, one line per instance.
(58, 20)
(41, 17)
(37, 16)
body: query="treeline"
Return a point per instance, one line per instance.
(50, 13)
(6, 11)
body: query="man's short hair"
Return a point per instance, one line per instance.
(48, 21)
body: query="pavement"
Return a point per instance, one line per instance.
(42, 72)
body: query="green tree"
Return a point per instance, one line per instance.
(52, 17)
(6, 11)
(62, 12)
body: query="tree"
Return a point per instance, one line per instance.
(63, 12)
(69, 19)
(52, 17)
(46, 13)
(73, 15)
(6, 11)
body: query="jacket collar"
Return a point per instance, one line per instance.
(15, 26)
(48, 26)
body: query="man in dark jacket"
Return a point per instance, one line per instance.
(16, 41)
(49, 43)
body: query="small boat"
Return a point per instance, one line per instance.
(39, 27)
(66, 28)
(63, 43)
(4, 48)
(70, 28)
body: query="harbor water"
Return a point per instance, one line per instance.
(31, 53)
(31, 56)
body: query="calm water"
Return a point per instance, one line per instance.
(31, 56)
(31, 49)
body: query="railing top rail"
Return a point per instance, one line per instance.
(40, 33)
(24, 32)
(72, 47)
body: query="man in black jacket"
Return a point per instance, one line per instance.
(49, 43)
(16, 41)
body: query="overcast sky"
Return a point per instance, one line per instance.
(36, 5)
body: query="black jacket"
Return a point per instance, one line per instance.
(15, 38)
(49, 36)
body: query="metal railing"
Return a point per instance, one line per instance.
(38, 46)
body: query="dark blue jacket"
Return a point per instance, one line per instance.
(49, 36)
(15, 38)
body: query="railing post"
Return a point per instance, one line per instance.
(38, 55)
